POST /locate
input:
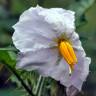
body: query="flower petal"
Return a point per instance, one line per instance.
(76, 43)
(33, 42)
(64, 68)
(81, 69)
(61, 20)
(34, 35)
(59, 72)
(45, 58)
(30, 30)
(72, 91)
(80, 72)
(45, 62)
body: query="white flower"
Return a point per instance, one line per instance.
(49, 44)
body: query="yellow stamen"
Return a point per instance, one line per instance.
(71, 51)
(68, 53)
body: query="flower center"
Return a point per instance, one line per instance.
(68, 54)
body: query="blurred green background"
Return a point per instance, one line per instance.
(10, 11)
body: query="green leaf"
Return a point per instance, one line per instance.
(8, 57)
(18, 6)
(8, 49)
(57, 3)
(5, 39)
(12, 92)
(7, 23)
(15, 80)
(41, 2)
(80, 7)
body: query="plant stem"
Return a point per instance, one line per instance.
(20, 79)
(39, 85)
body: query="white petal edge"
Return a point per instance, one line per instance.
(80, 73)
(28, 26)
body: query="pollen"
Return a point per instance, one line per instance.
(67, 51)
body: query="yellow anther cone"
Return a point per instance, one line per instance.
(71, 51)
(68, 53)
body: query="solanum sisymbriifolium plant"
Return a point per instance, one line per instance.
(49, 44)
